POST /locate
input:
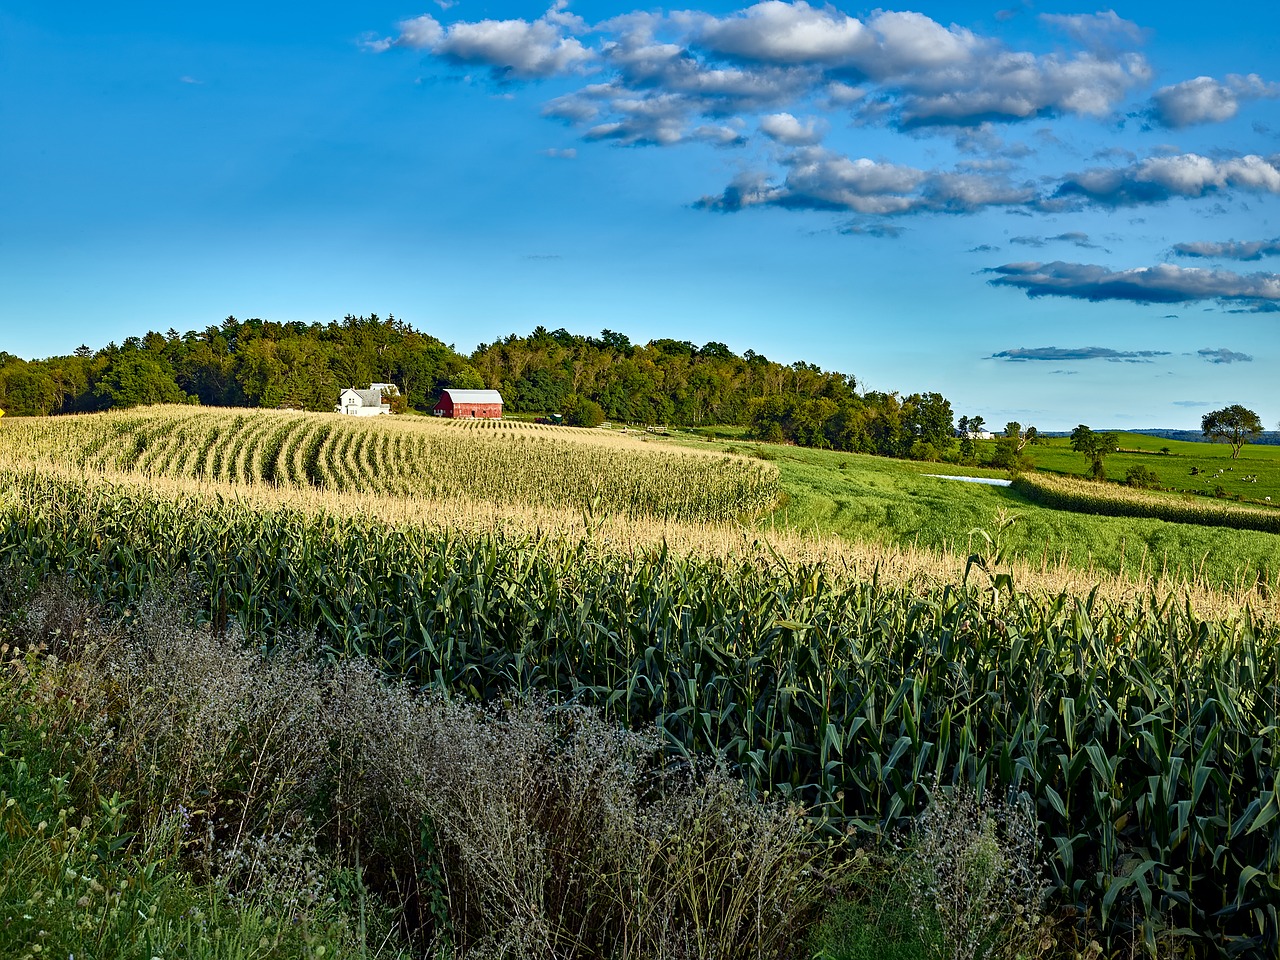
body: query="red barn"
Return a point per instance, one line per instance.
(467, 404)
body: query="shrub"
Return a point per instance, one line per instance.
(973, 868)
(1141, 477)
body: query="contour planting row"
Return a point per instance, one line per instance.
(1146, 736)
(1110, 500)
(411, 457)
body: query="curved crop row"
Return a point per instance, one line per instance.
(1100, 499)
(488, 461)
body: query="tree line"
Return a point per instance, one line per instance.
(258, 363)
(239, 363)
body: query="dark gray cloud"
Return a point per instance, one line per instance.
(882, 230)
(1206, 100)
(1073, 237)
(984, 248)
(1164, 283)
(1230, 249)
(1078, 353)
(1223, 355)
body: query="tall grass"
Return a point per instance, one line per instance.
(272, 806)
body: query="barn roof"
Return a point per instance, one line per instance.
(472, 396)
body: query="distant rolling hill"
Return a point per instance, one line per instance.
(1269, 437)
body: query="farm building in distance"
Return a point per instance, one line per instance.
(460, 404)
(366, 403)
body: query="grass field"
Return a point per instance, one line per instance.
(1255, 476)
(861, 497)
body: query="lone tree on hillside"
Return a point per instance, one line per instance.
(1095, 446)
(1235, 425)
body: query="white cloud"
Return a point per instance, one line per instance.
(777, 32)
(1157, 179)
(784, 128)
(520, 49)
(896, 67)
(1206, 100)
(819, 179)
(1230, 249)
(1097, 31)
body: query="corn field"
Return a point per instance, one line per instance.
(1086, 496)
(507, 462)
(1145, 734)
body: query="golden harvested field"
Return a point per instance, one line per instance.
(509, 463)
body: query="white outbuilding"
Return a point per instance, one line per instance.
(365, 403)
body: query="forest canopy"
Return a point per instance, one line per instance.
(258, 363)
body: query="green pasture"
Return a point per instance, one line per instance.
(893, 501)
(1255, 476)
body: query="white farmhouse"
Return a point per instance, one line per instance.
(365, 403)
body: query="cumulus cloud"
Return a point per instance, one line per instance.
(1230, 249)
(928, 73)
(819, 179)
(511, 49)
(784, 128)
(1059, 354)
(1223, 355)
(1164, 283)
(718, 135)
(1160, 178)
(897, 67)
(1206, 100)
(778, 32)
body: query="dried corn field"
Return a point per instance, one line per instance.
(503, 462)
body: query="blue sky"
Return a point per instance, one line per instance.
(1049, 213)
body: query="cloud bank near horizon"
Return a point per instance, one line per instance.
(1058, 354)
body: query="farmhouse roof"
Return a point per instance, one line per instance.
(473, 396)
(370, 398)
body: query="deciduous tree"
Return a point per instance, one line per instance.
(1235, 425)
(1095, 446)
